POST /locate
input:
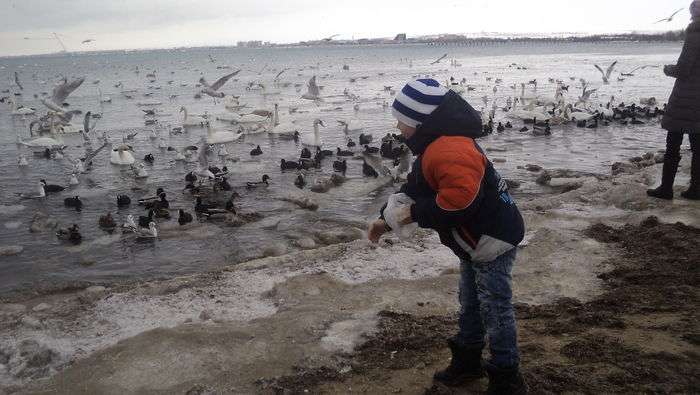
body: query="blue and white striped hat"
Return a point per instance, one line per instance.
(417, 100)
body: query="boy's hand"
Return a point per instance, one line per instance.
(376, 230)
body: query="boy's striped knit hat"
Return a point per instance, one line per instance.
(417, 100)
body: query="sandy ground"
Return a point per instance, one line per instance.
(606, 303)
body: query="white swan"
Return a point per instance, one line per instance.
(221, 136)
(315, 140)
(192, 120)
(20, 110)
(121, 155)
(282, 128)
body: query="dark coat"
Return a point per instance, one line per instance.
(683, 110)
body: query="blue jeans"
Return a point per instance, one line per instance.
(485, 294)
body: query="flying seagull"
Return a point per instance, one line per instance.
(212, 89)
(670, 18)
(330, 38)
(313, 92)
(89, 40)
(631, 73)
(606, 74)
(17, 82)
(60, 94)
(280, 73)
(439, 59)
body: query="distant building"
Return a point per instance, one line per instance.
(400, 37)
(249, 44)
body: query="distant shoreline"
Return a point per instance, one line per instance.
(441, 40)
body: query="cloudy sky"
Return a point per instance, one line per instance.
(126, 24)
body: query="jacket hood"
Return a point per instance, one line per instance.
(453, 117)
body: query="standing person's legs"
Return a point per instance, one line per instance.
(693, 192)
(467, 345)
(671, 160)
(494, 290)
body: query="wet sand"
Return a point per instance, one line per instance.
(606, 303)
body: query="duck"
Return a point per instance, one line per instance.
(256, 151)
(289, 165)
(139, 171)
(500, 127)
(340, 165)
(148, 158)
(161, 213)
(73, 181)
(368, 170)
(263, 183)
(508, 125)
(223, 184)
(107, 222)
(340, 152)
(306, 153)
(51, 188)
(150, 232)
(322, 154)
(524, 129)
(73, 202)
(71, 234)
(371, 150)
(157, 204)
(351, 143)
(190, 177)
(206, 208)
(365, 139)
(145, 220)
(123, 200)
(300, 182)
(184, 217)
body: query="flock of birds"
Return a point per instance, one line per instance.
(386, 157)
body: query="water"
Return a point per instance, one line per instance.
(103, 258)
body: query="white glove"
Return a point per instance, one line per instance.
(394, 213)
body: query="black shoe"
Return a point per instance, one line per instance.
(505, 381)
(668, 175)
(464, 367)
(693, 193)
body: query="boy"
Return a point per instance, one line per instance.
(458, 193)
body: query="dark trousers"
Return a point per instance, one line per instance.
(674, 141)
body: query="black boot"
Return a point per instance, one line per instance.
(505, 381)
(668, 175)
(693, 193)
(465, 365)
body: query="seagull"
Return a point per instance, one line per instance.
(60, 94)
(586, 95)
(330, 38)
(279, 74)
(313, 92)
(17, 82)
(439, 59)
(631, 73)
(89, 40)
(212, 89)
(606, 74)
(670, 18)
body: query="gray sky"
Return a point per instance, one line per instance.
(129, 24)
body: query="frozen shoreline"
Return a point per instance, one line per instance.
(72, 331)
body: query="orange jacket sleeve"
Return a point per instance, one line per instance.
(454, 168)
